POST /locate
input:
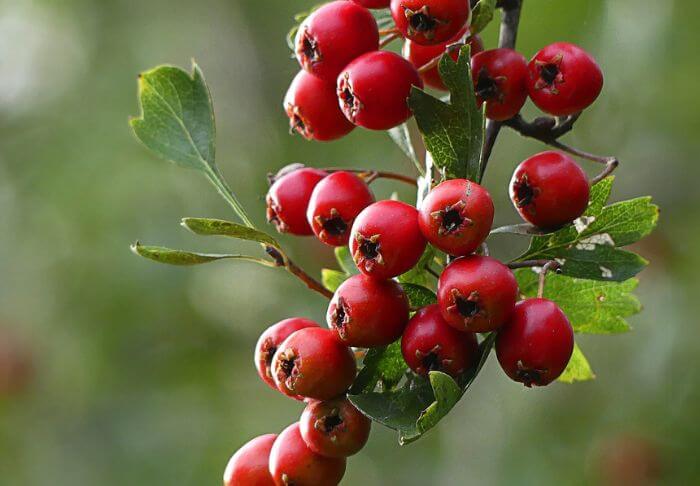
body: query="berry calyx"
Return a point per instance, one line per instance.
(334, 428)
(373, 3)
(477, 294)
(332, 36)
(367, 312)
(550, 190)
(430, 21)
(288, 199)
(500, 80)
(564, 79)
(430, 344)
(535, 346)
(386, 240)
(456, 216)
(250, 464)
(374, 88)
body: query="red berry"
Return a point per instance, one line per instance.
(564, 79)
(334, 428)
(334, 35)
(457, 216)
(250, 464)
(312, 363)
(288, 199)
(386, 240)
(430, 21)
(373, 3)
(500, 80)
(420, 55)
(430, 344)
(374, 88)
(477, 294)
(366, 312)
(292, 463)
(535, 346)
(549, 190)
(335, 203)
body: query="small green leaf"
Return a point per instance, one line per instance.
(419, 296)
(447, 394)
(186, 258)
(384, 365)
(345, 261)
(419, 274)
(482, 15)
(578, 369)
(218, 227)
(401, 136)
(332, 279)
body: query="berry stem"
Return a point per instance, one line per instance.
(611, 163)
(436, 60)
(282, 260)
(372, 175)
(390, 31)
(551, 265)
(389, 39)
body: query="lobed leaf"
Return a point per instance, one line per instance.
(578, 369)
(482, 15)
(419, 275)
(419, 296)
(332, 279)
(384, 366)
(345, 261)
(401, 136)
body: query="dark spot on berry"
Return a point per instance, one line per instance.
(287, 366)
(268, 354)
(335, 226)
(330, 422)
(467, 308)
(340, 316)
(369, 249)
(549, 73)
(421, 22)
(451, 220)
(309, 49)
(486, 87)
(524, 193)
(431, 362)
(529, 377)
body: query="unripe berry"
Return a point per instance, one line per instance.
(334, 428)
(457, 216)
(288, 199)
(477, 294)
(250, 464)
(334, 35)
(335, 203)
(373, 90)
(550, 190)
(373, 3)
(564, 79)
(535, 346)
(430, 21)
(366, 312)
(386, 240)
(500, 80)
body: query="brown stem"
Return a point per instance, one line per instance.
(282, 260)
(392, 30)
(389, 39)
(549, 266)
(611, 163)
(372, 175)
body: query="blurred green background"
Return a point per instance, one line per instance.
(117, 371)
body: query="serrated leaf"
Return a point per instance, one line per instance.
(419, 296)
(419, 274)
(578, 369)
(482, 15)
(219, 227)
(447, 393)
(345, 261)
(187, 258)
(401, 136)
(332, 279)
(384, 365)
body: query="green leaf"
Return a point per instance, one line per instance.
(401, 136)
(419, 296)
(419, 274)
(482, 15)
(298, 19)
(186, 258)
(218, 227)
(578, 369)
(332, 279)
(447, 393)
(345, 261)
(384, 366)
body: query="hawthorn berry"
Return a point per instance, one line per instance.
(430, 344)
(292, 463)
(549, 190)
(500, 80)
(535, 346)
(312, 363)
(334, 428)
(373, 90)
(312, 107)
(250, 464)
(456, 216)
(288, 198)
(386, 240)
(335, 203)
(367, 312)
(564, 79)
(477, 294)
(333, 35)
(373, 3)
(430, 21)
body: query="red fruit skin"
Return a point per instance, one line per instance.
(293, 463)
(430, 344)
(420, 55)
(312, 363)
(536, 344)
(373, 3)
(311, 105)
(250, 464)
(500, 80)
(550, 190)
(269, 342)
(366, 312)
(374, 88)
(477, 294)
(335, 203)
(457, 216)
(288, 199)
(332, 36)
(334, 428)
(430, 22)
(564, 79)
(386, 241)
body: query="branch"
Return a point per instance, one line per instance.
(372, 175)
(283, 261)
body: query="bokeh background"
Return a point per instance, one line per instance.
(118, 371)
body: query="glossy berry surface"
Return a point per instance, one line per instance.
(269, 342)
(366, 312)
(536, 344)
(500, 80)
(373, 3)
(334, 428)
(386, 240)
(335, 203)
(430, 21)
(430, 344)
(288, 199)
(564, 79)
(456, 216)
(292, 463)
(250, 464)
(477, 294)
(332, 36)
(312, 107)
(374, 88)
(549, 190)
(312, 363)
